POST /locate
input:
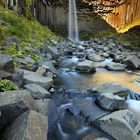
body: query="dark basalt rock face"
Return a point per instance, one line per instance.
(93, 15)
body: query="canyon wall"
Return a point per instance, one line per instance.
(93, 15)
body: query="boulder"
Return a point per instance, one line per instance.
(115, 67)
(41, 71)
(132, 62)
(43, 106)
(110, 102)
(5, 75)
(101, 138)
(17, 78)
(6, 63)
(118, 58)
(90, 136)
(13, 103)
(53, 51)
(94, 57)
(120, 125)
(86, 66)
(34, 78)
(112, 88)
(28, 126)
(37, 91)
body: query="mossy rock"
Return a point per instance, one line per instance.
(7, 85)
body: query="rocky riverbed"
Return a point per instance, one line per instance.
(76, 91)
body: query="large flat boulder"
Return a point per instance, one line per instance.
(110, 102)
(86, 66)
(28, 126)
(112, 88)
(53, 51)
(94, 57)
(120, 125)
(6, 63)
(37, 91)
(13, 103)
(115, 67)
(132, 62)
(35, 78)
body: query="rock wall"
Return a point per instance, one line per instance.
(93, 15)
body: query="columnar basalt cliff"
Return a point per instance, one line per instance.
(93, 15)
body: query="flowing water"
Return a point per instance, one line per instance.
(73, 24)
(71, 79)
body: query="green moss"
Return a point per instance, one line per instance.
(7, 85)
(29, 32)
(35, 57)
(97, 35)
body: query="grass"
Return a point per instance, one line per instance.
(28, 33)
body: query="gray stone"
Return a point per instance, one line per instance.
(34, 78)
(13, 103)
(90, 136)
(43, 106)
(101, 138)
(17, 78)
(41, 71)
(86, 66)
(112, 88)
(37, 91)
(115, 67)
(120, 125)
(28, 126)
(53, 51)
(21, 61)
(132, 62)
(48, 65)
(5, 75)
(111, 102)
(118, 58)
(94, 57)
(6, 63)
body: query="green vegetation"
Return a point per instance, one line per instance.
(7, 85)
(98, 35)
(130, 38)
(22, 32)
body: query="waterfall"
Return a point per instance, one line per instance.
(73, 24)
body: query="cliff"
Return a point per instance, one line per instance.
(93, 15)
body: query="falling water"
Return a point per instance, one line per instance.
(73, 25)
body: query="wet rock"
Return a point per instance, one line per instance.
(41, 71)
(120, 125)
(111, 102)
(5, 75)
(13, 103)
(101, 138)
(48, 65)
(53, 51)
(34, 78)
(105, 55)
(43, 106)
(118, 58)
(6, 63)
(112, 88)
(37, 91)
(86, 66)
(21, 61)
(95, 57)
(89, 109)
(115, 67)
(132, 62)
(17, 78)
(28, 126)
(90, 136)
